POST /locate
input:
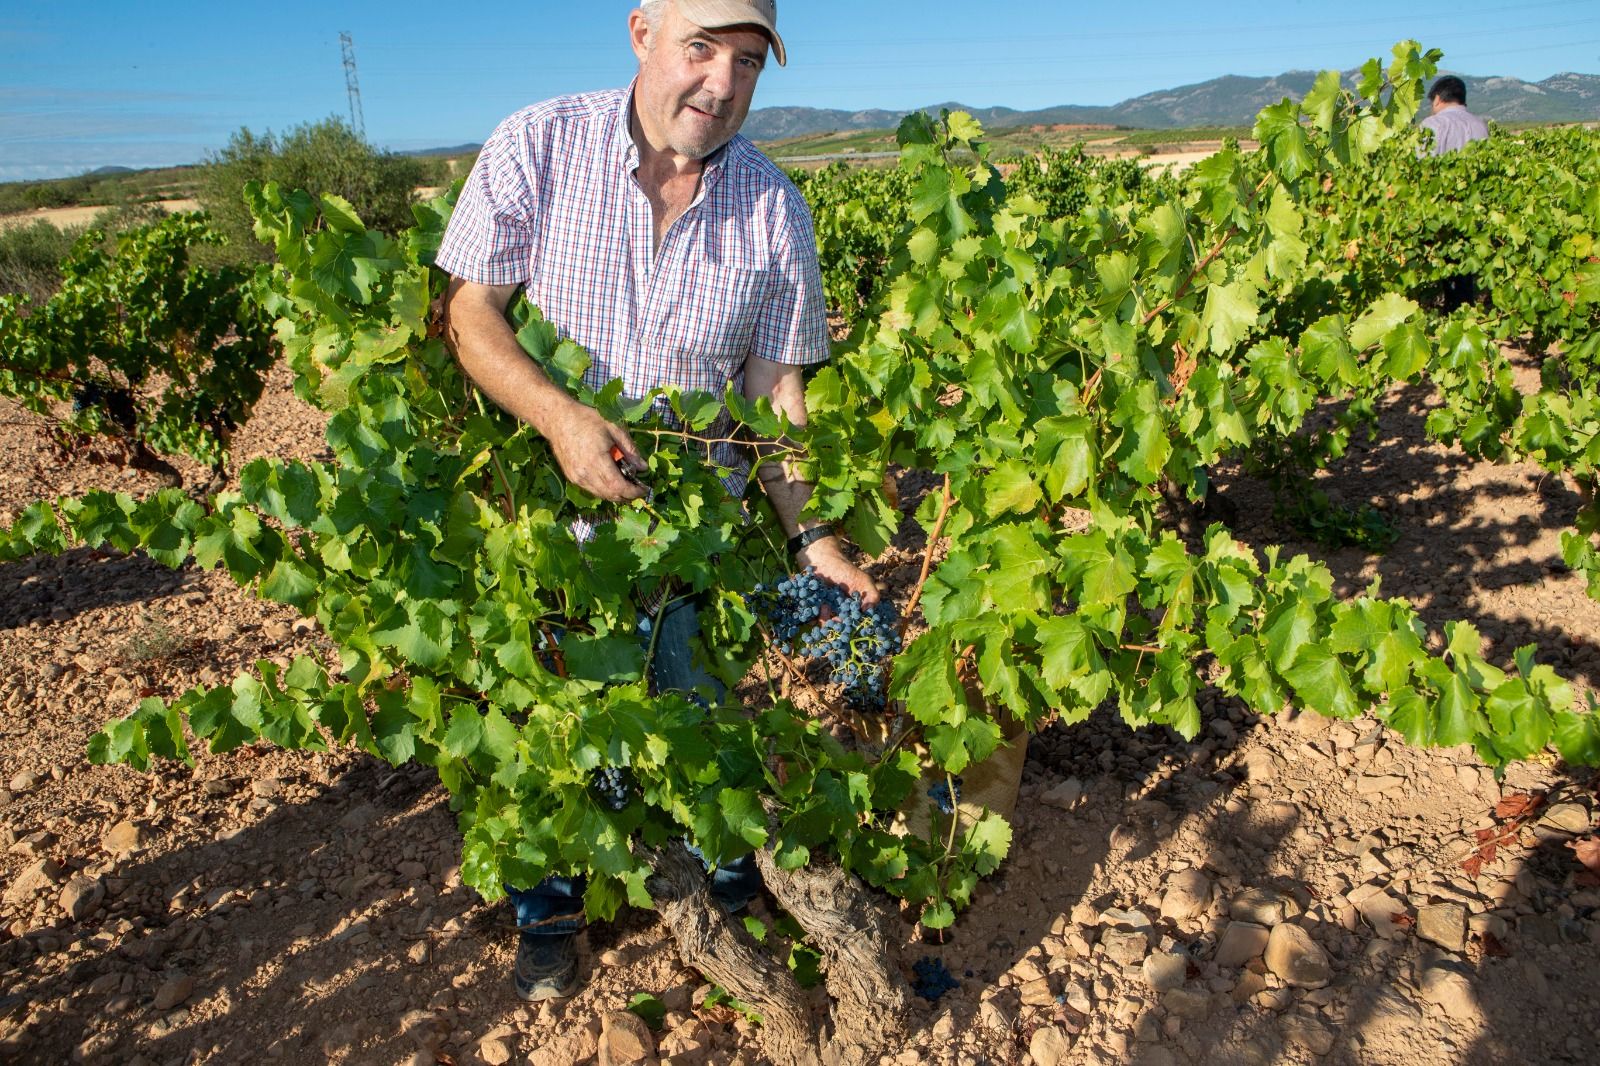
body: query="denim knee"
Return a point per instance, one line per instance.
(553, 906)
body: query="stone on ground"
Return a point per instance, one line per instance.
(625, 1038)
(34, 879)
(173, 992)
(1165, 971)
(1241, 942)
(1049, 1046)
(1449, 990)
(494, 1051)
(1188, 893)
(125, 838)
(82, 896)
(1258, 905)
(1123, 947)
(1378, 906)
(1567, 817)
(1188, 1004)
(1297, 959)
(1064, 795)
(1444, 924)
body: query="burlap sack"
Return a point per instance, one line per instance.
(990, 785)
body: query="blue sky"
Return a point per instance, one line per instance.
(147, 83)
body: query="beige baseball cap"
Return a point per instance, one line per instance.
(718, 14)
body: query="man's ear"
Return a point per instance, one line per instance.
(639, 33)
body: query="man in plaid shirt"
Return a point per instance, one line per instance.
(647, 230)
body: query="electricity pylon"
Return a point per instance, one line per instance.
(352, 87)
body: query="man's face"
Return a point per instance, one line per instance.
(694, 84)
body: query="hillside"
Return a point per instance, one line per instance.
(1231, 100)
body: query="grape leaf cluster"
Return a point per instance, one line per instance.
(161, 354)
(1037, 364)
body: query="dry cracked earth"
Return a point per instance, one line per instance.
(1287, 890)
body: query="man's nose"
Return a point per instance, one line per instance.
(720, 77)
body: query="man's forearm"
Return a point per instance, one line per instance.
(492, 358)
(787, 491)
(784, 387)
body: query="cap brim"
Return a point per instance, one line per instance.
(721, 14)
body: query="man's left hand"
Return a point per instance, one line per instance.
(828, 560)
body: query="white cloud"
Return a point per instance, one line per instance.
(51, 133)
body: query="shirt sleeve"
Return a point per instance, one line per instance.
(792, 325)
(489, 239)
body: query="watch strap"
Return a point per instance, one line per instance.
(807, 537)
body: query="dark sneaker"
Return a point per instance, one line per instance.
(547, 966)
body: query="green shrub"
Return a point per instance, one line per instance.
(64, 192)
(31, 253)
(30, 258)
(322, 157)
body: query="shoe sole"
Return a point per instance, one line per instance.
(542, 993)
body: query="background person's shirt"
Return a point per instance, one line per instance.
(1453, 128)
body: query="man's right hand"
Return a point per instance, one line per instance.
(583, 443)
(476, 328)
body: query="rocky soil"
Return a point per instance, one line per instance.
(1278, 891)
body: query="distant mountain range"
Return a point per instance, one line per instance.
(1227, 101)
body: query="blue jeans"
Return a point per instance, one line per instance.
(555, 905)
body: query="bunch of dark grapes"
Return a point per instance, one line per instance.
(86, 396)
(815, 620)
(944, 797)
(933, 979)
(793, 604)
(614, 786)
(116, 403)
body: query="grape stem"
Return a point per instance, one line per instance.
(511, 503)
(955, 818)
(557, 657)
(1210, 256)
(927, 557)
(655, 629)
(790, 665)
(773, 447)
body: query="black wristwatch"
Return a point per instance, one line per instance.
(807, 537)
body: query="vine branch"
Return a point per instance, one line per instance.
(927, 556)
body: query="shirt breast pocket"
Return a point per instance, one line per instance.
(711, 319)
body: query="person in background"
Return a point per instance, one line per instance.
(1453, 126)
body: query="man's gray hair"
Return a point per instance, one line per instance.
(654, 12)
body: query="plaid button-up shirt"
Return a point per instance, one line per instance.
(553, 204)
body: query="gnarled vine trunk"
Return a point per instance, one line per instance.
(852, 926)
(721, 949)
(846, 921)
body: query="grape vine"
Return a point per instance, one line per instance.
(156, 356)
